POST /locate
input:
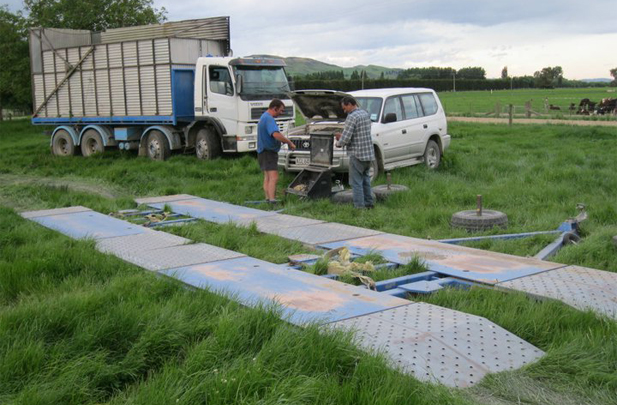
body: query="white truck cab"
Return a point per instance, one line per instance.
(233, 93)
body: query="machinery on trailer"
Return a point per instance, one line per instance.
(155, 88)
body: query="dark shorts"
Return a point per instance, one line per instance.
(268, 160)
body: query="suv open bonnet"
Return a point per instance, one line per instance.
(320, 105)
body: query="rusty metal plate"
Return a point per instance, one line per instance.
(56, 211)
(123, 246)
(441, 345)
(89, 224)
(272, 223)
(164, 199)
(579, 287)
(459, 261)
(324, 233)
(304, 298)
(213, 211)
(177, 256)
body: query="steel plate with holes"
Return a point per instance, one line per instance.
(303, 297)
(123, 246)
(164, 199)
(579, 287)
(272, 223)
(213, 211)
(89, 224)
(55, 211)
(458, 261)
(324, 233)
(178, 256)
(440, 344)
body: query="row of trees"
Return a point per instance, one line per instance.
(95, 15)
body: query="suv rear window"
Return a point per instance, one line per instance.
(429, 104)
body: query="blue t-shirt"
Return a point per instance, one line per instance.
(266, 127)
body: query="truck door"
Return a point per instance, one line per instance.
(220, 101)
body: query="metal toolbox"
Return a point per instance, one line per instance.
(315, 181)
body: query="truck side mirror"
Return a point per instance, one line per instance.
(390, 117)
(239, 83)
(292, 84)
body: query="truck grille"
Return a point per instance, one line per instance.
(257, 112)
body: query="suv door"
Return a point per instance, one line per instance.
(431, 121)
(416, 128)
(393, 135)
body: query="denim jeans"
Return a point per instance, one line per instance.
(360, 182)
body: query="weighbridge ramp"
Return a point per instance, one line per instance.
(432, 343)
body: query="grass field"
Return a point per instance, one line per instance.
(479, 103)
(78, 326)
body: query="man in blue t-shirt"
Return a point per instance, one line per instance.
(269, 140)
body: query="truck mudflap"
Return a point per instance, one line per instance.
(175, 142)
(71, 131)
(105, 132)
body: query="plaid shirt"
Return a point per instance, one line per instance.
(357, 136)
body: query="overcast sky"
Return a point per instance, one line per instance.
(524, 35)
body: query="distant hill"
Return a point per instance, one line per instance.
(302, 66)
(603, 80)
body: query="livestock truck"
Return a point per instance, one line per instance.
(156, 89)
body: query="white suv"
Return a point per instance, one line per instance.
(409, 127)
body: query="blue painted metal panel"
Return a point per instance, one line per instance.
(458, 261)
(395, 282)
(421, 287)
(183, 90)
(213, 211)
(127, 134)
(507, 236)
(304, 297)
(155, 119)
(90, 224)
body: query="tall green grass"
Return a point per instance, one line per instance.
(77, 326)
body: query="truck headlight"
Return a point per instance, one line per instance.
(248, 129)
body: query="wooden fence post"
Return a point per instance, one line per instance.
(528, 109)
(510, 114)
(497, 109)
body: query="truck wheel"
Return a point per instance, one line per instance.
(432, 155)
(157, 146)
(207, 145)
(91, 143)
(62, 144)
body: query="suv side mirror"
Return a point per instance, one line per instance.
(390, 117)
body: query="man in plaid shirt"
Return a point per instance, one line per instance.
(357, 137)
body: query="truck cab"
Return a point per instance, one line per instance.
(231, 94)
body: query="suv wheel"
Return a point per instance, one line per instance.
(432, 155)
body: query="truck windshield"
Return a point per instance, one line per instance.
(262, 83)
(372, 105)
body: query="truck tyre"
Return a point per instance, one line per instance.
(471, 221)
(432, 155)
(346, 197)
(62, 144)
(92, 143)
(207, 145)
(157, 146)
(382, 191)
